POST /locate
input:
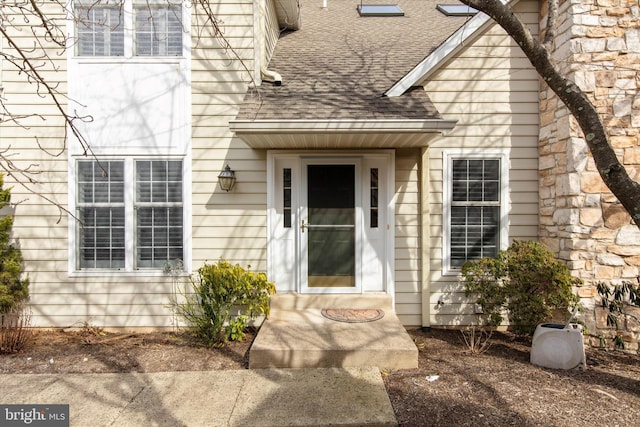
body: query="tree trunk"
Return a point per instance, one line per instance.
(611, 170)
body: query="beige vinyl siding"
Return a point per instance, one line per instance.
(40, 227)
(230, 225)
(492, 90)
(225, 225)
(272, 30)
(407, 242)
(489, 89)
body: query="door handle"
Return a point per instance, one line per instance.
(302, 226)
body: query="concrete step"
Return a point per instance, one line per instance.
(304, 302)
(304, 338)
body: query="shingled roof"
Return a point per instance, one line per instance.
(338, 65)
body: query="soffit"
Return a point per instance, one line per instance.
(336, 134)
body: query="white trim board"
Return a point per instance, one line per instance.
(285, 242)
(442, 53)
(447, 157)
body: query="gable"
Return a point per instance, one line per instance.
(463, 36)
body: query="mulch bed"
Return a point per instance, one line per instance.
(500, 387)
(451, 386)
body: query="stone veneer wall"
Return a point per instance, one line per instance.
(598, 43)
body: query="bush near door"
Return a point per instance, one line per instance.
(221, 300)
(525, 281)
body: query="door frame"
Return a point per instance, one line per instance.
(279, 247)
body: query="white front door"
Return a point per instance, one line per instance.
(330, 222)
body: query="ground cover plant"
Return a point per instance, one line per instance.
(622, 302)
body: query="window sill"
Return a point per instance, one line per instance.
(451, 271)
(128, 60)
(123, 273)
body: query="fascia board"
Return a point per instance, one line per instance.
(449, 47)
(443, 52)
(349, 126)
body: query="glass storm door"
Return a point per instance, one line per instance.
(329, 228)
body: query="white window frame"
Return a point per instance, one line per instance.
(106, 30)
(119, 205)
(128, 18)
(148, 5)
(448, 156)
(130, 219)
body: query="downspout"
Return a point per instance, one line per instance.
(265, 74)
(270, 75)
(425, 237)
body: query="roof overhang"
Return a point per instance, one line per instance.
(300, 134)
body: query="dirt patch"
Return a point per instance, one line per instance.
(450, 387)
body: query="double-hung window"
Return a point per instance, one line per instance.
(158, 211)
(130, 214)
(100, 29)
(474, 226)
(158, 29)
(101, 214)
(129, 27)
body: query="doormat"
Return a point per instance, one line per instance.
(353, 315)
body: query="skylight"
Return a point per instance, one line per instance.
(380, 10)
(456, 9)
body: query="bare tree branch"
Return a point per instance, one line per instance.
(49, 41)
(25, 177)
(29, 66)
(212, 22)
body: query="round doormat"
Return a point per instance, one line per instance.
(353, 315)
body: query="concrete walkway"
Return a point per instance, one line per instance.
(262, 397)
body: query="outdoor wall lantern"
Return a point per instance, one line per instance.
(227, 179)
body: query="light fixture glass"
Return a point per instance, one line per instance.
(227, 179)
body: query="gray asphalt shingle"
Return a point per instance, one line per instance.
(338, 65)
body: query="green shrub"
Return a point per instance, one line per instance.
(14, 291)
(618, 299)
(222, 299)
(525, 282)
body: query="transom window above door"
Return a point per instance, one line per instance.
(127, 28)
